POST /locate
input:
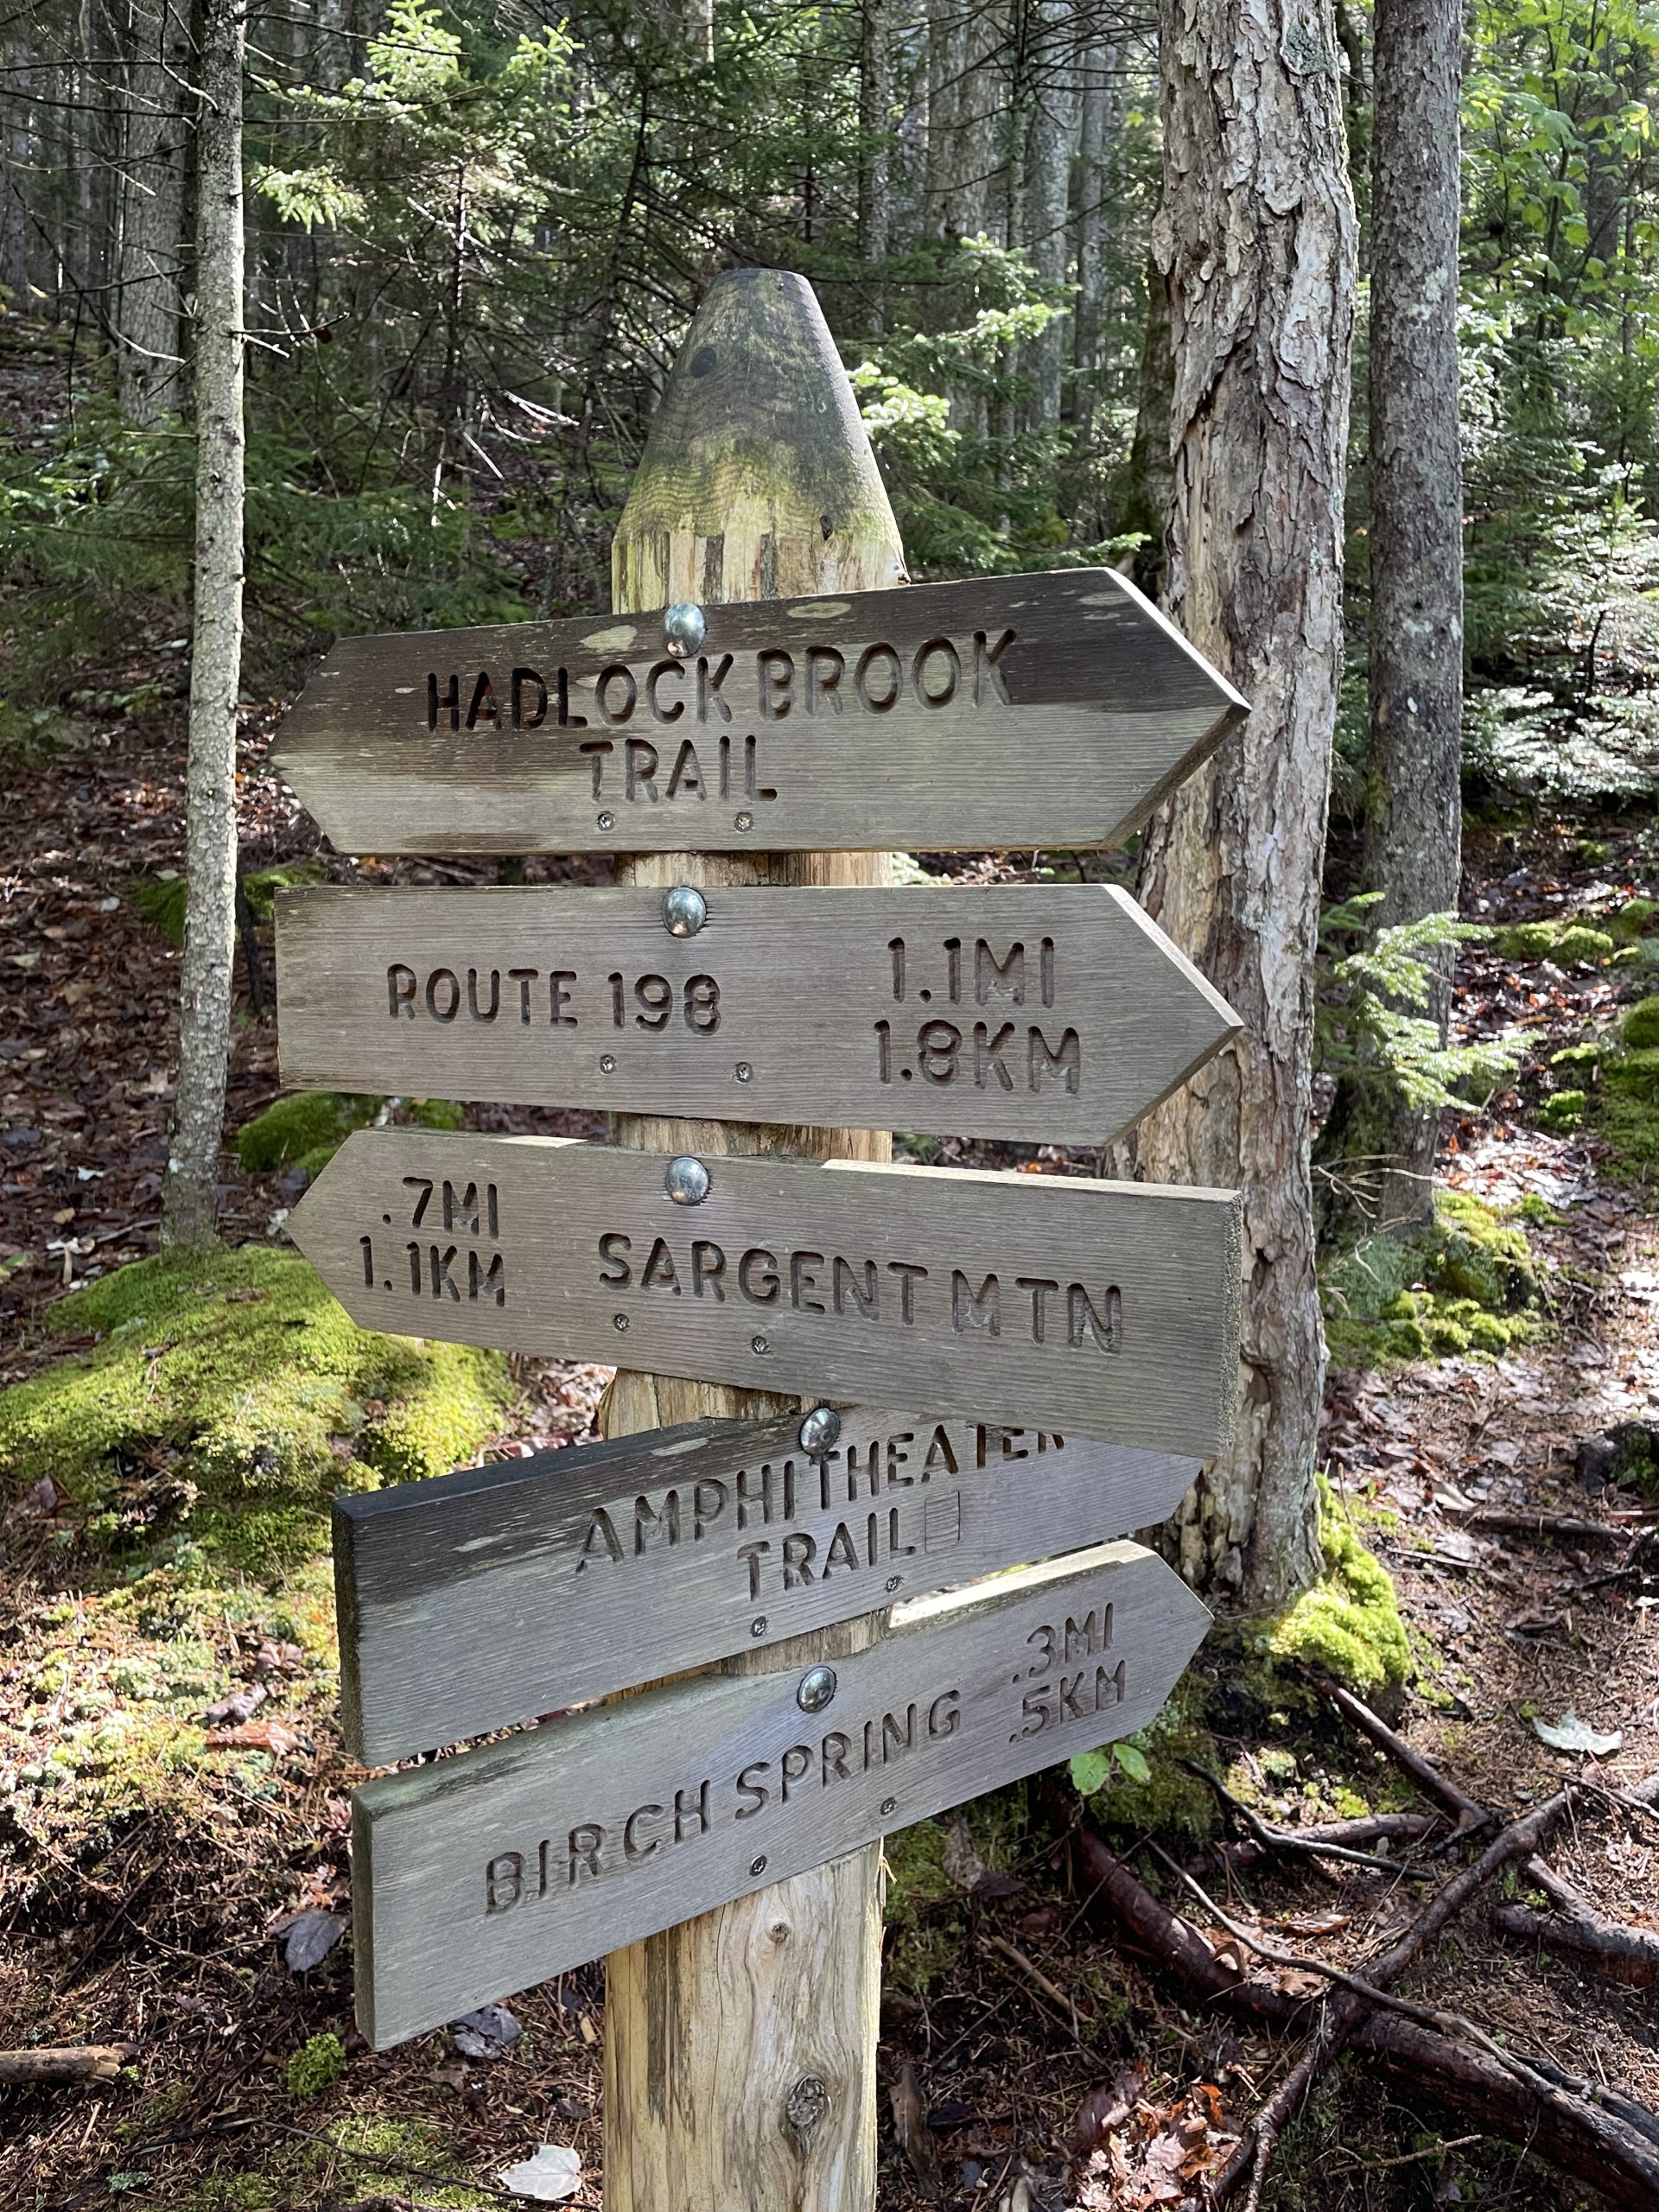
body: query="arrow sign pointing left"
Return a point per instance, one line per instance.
(1053, 1015)
(1104, 1309)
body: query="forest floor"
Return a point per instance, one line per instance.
(170, 1928)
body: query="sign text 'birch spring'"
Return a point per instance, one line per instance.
(477, 1875)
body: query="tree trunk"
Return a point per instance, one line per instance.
(189, 1189)
(1052, 143)
(1256, 235)
(1097, 132)
(1413, 809)
(740, 2046)
(1149, 479)
(149, 367)
(875, 126)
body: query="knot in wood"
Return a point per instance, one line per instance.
(808, 2102)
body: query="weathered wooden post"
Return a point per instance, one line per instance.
(739, 2047)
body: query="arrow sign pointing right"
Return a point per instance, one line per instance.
(478, 1875)
(1028, 1011)
(1035, 710)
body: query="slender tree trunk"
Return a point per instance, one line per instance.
(189, 1190)
(1413, 809)
(1256, 235)
(1052, 141)
(876, 125)
(150, 261)
(1149, 479)
(1097, 132)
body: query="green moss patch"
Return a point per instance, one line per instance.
(1634, 920)
(306, 1129)
(1564, 941)
(1467, 1285)
(1348, 1625)
(228, 1398)
(926, 1911)
(1640, 1028)
(318, 2063)
(1157, 1792)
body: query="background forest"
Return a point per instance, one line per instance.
(475, 237)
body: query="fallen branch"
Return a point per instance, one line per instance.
(1468, 1812)
(1505, 1522)
(1623, 1953)
(79, 2061)
(1035, 1975)
(1297, 1842)
(1585, 2135)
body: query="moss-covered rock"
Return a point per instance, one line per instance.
(228, 1398)
(1626, 1110)
(1468, 1284)
(1562, 1111)
(307, 1129)
(1564, 940)
(1640, 1028)
(1348, 1625)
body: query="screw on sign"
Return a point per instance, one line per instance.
(761, 719)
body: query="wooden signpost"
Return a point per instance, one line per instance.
(780, 722)
(1052, 1015)
(505, 1865)
(1107, 1308)
(1011, 710)
(709, 1537)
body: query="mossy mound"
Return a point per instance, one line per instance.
(1564, 941)
(925, 1906)
(1467, 1285)
(306, 1129)
(229, 1397)
(1634, 920)
(1562, 1111)
(1348, 1625)
(1640, 1028)
(1626, 1110)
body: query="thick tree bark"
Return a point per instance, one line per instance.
(1256, 237)
(1148, 483)
(740, 2046)
(1414, 804)
(149, 371)
(189, 1189)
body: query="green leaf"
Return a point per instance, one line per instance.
(1089, 1770)
(1133, 1763)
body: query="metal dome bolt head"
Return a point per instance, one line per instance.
(686, 1181)
(815, 1688)
(684, 629)
(684, 910)
(820, 1429)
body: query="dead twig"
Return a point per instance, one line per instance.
(77, 2062)
(1615, 1948)
(1468, 1813)
(1299, 1843)
(1035, 1974)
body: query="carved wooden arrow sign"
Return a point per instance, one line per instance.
(478, 1875)
(1056, 1015)
(1005, 710)
(1109, 1309)
(490, 1596)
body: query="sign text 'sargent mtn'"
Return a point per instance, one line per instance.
(490, 1596)
(475, 1876)
(1023, 1011)
(1031, 710)
(1106, 1309)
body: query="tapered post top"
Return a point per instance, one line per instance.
(758, 480)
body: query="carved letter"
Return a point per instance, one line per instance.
(707, 1265)
(757, 1258)
(1080, 1315)
(613, 1248)
(802, 1279)
(1039, 1286)
(630, 1850)
(400, 990)
(659, 1269)
(504, 1881)
(823, 671)
(483, 709)
(451, 983)
(521, 677)
(892, 679)
(775, 682)
(708, 688)
(987, 674)
(984, 1306)
(658, 712)
(587, 1840)
(952, 671)
(600, 1535)
(616, 673)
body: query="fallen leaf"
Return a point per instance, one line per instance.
(239, 1705)
(254, 1736)
(1569, 1733)
(552, 2174)
(910, 2126)
(962, 1863)
(311, 1935)
(486, 2033)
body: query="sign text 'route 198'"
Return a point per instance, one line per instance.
(1107, 1309)
(1040, 710)
(1030, 1011)
(476, 1875)
(487, 1597)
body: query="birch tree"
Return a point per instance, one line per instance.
(1257, 236)
(189, 1189)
